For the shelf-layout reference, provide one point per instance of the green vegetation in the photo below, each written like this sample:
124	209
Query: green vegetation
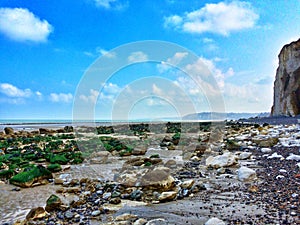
154	156
54	167
30	173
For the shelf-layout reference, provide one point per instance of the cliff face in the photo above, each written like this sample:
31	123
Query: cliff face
287	82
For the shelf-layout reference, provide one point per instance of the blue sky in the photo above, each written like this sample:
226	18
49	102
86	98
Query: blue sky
47	47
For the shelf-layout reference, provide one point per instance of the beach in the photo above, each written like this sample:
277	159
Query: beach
237	172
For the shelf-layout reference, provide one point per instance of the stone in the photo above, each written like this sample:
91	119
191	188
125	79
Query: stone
140	221
52	203
286	99
246	174
125	217
36	213
224	160
293	157
266	141
167	196
158	221
245	155
136	195
266	150
96	213
69	214
159	178
115	201
187	184
58	181
44	131
68	129
214	221
139	151
35	176
8	130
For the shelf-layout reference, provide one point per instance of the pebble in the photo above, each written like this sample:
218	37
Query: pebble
96	213
69	215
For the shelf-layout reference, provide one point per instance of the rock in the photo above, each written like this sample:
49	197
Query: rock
167	196
35	176
69	214
115	201
136	195
246	174
96	213
139	151
68	129
125	217
187	184
58	181
44	131
159	221
245	155
287	82
159	178
140	221
275	155
266	150
36	213
224	160
293	157
8	130
52	203
214	221
266	141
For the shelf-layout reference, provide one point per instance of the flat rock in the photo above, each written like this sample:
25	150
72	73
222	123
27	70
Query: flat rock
214	221
167	196
246	174
224	160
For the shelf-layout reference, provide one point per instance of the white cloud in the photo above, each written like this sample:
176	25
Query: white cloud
61	97
12	91
109	92
251	97
108	54
173	21
137	57
221	18
111	4
156	90
173	61
92	98
20	24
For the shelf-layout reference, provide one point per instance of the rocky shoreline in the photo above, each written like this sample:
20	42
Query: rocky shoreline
174	173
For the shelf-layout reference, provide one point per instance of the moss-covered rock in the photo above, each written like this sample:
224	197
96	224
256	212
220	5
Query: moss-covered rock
52	203
6	174
54	167
58	158
31	176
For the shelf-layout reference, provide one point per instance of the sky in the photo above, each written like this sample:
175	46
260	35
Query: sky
175	57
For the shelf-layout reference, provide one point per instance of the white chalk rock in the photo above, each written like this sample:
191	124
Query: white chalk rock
226	159
246	174
266	150
214	221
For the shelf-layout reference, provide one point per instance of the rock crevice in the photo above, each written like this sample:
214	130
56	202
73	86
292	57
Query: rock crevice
287	83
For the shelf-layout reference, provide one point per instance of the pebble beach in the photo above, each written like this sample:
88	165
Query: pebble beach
245	172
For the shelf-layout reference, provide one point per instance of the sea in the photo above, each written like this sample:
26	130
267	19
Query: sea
34	124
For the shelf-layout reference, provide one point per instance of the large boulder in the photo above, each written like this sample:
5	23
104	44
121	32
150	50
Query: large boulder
31	177
8	130
224	160
287	83
159	178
